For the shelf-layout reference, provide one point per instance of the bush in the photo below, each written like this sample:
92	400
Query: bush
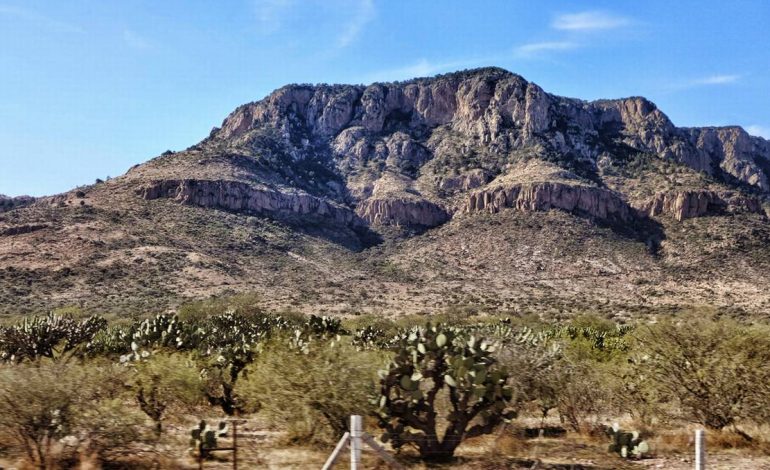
315	389
716	370
41	404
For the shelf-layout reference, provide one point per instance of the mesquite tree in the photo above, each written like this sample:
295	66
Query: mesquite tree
438	361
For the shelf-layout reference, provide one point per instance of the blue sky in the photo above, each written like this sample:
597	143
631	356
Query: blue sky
89	88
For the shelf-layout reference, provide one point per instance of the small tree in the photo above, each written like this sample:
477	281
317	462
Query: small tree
166	381
434	361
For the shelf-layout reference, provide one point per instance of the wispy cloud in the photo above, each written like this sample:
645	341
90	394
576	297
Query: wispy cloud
537	48
761	131
42	21
134	40
716	80
269	14
364	14
589	21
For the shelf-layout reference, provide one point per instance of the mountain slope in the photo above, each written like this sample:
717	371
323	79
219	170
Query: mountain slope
474	189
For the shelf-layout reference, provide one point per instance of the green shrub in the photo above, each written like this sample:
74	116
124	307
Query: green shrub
313	390
41	404
716	370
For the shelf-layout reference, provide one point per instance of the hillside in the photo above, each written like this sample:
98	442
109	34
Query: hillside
472	190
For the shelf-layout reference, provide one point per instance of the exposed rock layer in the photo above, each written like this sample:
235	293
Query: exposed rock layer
242	197
402	212
594	202
688	204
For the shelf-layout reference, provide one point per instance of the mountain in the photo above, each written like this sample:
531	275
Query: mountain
467	191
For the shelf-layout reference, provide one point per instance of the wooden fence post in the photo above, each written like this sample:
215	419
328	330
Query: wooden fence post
235	445
700	449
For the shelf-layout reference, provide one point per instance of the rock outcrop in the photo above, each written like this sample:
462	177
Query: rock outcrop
402	212
9	203
682	205
21	229
583	200
464	182
489	109
241	197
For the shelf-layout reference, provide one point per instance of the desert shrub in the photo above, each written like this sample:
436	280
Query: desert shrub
434	365
534	361
43	403
314	389
246	305
108	428
717	371
567	368
581	394
166	383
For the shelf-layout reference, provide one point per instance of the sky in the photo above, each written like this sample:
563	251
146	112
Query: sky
89	88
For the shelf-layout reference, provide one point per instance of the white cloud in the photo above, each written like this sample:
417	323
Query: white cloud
761	131
716	80
536	48
43	21
589	21
364	14
134	40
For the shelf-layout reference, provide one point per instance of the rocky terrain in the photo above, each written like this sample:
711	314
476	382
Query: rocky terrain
472	190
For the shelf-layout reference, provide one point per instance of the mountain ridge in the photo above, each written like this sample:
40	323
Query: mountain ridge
364	181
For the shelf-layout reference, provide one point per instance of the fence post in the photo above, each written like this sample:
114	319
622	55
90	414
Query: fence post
235	445
700	449
355	442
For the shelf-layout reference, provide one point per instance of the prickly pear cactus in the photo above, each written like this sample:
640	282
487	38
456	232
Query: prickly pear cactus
627	444
427	361
203	438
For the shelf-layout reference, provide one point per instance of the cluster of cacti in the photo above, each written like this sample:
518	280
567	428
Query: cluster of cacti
371	337
49	336
426	362
323	326
204	439
627	444
602	339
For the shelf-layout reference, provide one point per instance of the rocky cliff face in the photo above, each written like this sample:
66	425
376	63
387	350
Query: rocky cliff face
448	136
402	212
582	200
242	197
688	204
493	109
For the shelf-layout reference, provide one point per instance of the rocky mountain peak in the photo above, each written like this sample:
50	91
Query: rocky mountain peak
416	152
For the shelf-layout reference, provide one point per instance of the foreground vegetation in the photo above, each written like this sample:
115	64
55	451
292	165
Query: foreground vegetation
80	388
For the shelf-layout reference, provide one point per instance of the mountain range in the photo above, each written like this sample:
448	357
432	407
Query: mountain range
466	192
